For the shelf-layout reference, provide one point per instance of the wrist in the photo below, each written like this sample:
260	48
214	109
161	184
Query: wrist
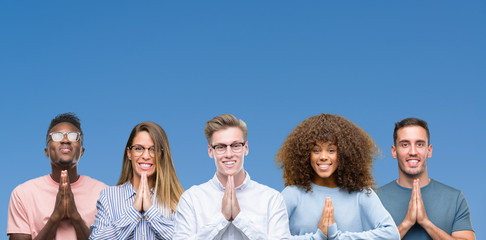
56	217
426	224
76	216
405	226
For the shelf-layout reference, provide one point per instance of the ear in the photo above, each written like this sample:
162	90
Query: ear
429	151
210	151
129	154
46	151
246	148
82	152
394	151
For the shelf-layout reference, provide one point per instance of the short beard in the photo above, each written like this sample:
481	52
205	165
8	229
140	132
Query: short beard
413	175
67	163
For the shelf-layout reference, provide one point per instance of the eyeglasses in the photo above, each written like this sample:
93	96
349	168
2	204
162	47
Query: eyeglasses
235	147
139	150
71	136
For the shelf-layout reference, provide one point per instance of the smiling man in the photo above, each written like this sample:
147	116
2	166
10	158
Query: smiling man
60	205
230	205
422	207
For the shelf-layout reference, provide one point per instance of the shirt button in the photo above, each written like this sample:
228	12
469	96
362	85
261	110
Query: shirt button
138	219
147	217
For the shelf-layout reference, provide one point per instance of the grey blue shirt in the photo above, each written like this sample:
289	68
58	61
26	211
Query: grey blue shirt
446	207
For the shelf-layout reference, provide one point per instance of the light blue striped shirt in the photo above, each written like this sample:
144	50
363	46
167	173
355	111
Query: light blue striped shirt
117	218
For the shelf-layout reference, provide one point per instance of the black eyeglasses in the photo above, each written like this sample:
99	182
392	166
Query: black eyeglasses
71	136
235	147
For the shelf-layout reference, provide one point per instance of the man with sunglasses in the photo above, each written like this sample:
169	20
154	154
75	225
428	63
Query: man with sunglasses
60	205
230	205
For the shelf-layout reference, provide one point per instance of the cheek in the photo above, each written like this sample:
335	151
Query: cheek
426	153
216	161
399	154
134	165
313	158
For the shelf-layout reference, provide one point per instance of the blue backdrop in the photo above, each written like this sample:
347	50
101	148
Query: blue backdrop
271	63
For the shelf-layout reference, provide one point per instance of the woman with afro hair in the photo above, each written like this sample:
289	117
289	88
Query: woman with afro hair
327	162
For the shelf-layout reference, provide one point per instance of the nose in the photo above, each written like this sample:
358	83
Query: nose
146	154
413	150
229	152
65	138
323	156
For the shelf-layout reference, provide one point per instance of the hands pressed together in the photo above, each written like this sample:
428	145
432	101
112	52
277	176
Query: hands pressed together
230	207
416	210
327	217
142	198
65	207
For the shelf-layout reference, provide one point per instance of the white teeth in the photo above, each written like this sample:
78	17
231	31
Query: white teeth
324	167
229	163
145	165
413	162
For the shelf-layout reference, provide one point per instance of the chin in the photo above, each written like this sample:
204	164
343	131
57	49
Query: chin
150	174
66	162
324	176
413	172
227	172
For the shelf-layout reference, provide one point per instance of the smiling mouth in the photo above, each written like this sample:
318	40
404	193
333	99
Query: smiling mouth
229	163
413	162
145	166
324	167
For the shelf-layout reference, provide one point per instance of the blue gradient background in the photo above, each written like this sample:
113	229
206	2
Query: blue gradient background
271	63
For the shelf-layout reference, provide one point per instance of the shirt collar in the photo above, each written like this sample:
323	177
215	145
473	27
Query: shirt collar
215	181
73	185
129	191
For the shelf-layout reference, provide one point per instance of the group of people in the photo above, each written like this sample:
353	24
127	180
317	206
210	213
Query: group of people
329	189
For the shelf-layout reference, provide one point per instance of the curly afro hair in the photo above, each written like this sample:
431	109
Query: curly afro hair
356	152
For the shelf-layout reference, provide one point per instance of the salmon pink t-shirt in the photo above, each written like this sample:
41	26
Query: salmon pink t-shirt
32	203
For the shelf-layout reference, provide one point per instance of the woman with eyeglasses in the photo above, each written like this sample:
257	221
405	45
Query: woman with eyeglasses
144	201
327	162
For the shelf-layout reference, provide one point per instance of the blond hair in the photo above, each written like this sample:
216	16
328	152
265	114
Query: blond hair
224	121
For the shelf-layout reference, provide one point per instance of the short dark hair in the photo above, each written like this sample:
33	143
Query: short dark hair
410	122
65	117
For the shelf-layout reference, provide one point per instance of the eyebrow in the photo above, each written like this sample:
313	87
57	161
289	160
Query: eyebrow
329	146
136	144
236	141
408	141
